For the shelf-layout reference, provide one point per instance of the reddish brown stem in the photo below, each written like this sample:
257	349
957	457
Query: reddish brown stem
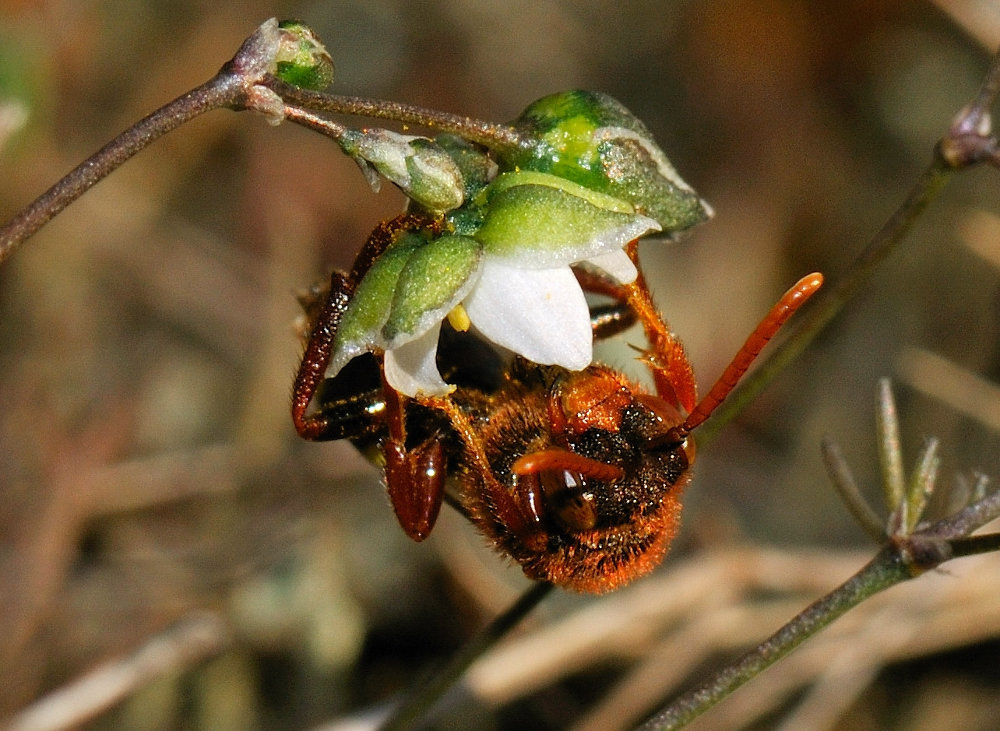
221	91
493	136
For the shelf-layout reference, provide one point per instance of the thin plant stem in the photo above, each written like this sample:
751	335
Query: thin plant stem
243	83
494	136
314	122
221	91
426	695
966	143
885	570
233	86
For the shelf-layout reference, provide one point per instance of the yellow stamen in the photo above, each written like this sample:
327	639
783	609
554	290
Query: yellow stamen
458	318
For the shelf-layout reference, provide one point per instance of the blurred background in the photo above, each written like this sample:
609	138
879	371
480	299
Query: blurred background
158	511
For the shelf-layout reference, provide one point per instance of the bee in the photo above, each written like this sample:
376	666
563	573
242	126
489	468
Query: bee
576	475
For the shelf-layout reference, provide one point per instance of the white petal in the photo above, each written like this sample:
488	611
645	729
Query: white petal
411	368
538	313
617	264
616	238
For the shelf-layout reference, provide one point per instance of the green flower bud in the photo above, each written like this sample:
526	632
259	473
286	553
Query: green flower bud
301	59
418	166
591	139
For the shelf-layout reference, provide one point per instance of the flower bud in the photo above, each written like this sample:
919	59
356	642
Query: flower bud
301	58
418	166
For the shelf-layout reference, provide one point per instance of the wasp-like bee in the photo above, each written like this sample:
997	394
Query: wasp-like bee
576	475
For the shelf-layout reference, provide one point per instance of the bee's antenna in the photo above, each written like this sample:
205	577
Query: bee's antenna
792	300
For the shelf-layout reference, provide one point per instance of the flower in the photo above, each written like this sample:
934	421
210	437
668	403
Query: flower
510	275
586	180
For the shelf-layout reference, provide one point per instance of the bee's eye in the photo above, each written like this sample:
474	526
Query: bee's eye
687	447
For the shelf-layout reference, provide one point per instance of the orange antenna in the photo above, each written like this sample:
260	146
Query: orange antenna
792	300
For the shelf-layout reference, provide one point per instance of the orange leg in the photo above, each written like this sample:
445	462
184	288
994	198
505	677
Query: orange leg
666	358
521	515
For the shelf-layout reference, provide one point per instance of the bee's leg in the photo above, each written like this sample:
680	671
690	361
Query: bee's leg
520	512
414	476
325	311
611	319
665	357
318	426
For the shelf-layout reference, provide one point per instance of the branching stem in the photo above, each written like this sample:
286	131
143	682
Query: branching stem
244	83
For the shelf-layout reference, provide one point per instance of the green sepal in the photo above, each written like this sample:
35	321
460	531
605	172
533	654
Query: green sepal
436	277
361	326
539	225
412	285
528	177
592	139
